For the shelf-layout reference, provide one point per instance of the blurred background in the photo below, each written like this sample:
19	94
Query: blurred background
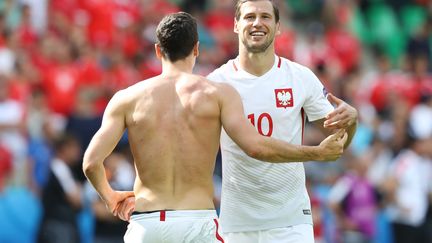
62	60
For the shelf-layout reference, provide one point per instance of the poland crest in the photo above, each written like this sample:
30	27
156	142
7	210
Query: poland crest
284	98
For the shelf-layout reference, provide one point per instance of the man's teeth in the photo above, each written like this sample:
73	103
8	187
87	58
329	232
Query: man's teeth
257	33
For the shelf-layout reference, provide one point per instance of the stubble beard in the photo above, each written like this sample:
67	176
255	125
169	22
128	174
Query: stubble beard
257	48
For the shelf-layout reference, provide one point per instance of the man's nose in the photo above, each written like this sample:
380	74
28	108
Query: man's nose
257	21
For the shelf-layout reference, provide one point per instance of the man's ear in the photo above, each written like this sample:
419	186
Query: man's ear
235	26
278	31
196	49
158	51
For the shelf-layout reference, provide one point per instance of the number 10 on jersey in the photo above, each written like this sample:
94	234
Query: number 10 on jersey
261	117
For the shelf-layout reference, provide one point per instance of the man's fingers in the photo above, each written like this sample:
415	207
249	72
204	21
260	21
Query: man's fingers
114	211
334	99
337	135
339	121
332	113
336	112
130	211
122	214
126	209
338	125
344	138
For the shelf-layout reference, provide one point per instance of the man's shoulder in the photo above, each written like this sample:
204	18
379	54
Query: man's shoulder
127	95
300	71
294	66
219	73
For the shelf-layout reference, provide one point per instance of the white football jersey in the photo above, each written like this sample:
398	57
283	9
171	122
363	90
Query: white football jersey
259	195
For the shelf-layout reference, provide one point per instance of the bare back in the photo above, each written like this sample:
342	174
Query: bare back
174	128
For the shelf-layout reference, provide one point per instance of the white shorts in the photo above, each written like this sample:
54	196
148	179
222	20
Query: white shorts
197	226
302	233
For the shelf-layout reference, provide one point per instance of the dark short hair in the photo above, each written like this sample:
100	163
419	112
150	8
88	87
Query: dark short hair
240	3
177	35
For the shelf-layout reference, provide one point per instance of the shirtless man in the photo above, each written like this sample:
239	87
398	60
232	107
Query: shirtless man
174	123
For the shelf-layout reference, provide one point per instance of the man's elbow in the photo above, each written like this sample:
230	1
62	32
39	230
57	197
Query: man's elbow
89	164
256	152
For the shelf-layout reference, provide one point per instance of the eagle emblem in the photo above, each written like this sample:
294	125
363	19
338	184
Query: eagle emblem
284	98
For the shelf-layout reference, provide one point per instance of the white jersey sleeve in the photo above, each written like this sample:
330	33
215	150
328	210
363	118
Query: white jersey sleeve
316	104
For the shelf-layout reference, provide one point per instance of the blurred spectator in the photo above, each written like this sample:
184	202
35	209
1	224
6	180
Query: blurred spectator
61	80
421	117
38	14
84	120
391	87
284	43
100	21
120	72
12	127
5	167
406	191
7	54
418	43
27	36
23	80
219	21
353	201
11	8
61	197
41	133
342	45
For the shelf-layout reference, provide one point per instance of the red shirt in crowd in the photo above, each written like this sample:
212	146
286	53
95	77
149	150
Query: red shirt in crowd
61	84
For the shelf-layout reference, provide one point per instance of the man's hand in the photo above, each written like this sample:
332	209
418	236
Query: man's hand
126	208
333	146
342	117
115	201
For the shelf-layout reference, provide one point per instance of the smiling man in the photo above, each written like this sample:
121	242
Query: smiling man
263	203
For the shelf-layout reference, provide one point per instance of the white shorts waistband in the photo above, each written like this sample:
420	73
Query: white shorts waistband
164	215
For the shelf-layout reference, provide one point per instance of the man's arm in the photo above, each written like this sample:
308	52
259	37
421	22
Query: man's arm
343	117
265	148
101	145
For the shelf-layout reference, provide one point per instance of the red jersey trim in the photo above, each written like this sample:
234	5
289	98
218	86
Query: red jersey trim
162	215
234	66
279	62
303	124
217	231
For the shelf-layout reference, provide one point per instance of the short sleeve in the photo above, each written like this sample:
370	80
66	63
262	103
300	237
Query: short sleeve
316	104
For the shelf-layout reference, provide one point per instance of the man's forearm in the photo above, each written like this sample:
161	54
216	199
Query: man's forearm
95	173
278	151
351	130
272	150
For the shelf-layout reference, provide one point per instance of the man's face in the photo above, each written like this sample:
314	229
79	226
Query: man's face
256	26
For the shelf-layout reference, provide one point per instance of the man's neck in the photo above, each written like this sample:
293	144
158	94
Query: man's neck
256	63
181	66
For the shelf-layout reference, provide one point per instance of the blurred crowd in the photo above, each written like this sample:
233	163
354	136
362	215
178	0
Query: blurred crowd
62	60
